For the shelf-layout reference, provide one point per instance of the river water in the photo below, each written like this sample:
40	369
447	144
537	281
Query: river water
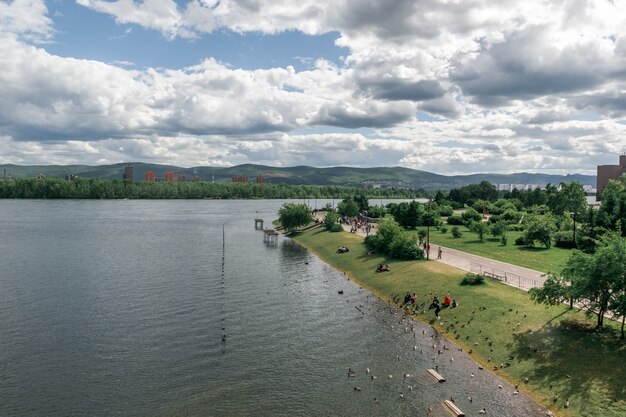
119	308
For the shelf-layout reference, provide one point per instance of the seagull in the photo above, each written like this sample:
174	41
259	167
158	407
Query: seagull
482	411
470	399
367	371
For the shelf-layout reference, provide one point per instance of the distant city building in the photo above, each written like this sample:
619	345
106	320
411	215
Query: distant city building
169	176
240	179
70	177
504	187
609	172
260	179
182	177
150	176
41	176
128	173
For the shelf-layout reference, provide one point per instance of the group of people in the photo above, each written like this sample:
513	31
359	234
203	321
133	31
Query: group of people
409	298
342	249
447	302
382	268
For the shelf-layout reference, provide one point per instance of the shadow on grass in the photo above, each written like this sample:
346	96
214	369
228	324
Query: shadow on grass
534	249
574	358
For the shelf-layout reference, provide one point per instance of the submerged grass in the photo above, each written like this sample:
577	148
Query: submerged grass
551	346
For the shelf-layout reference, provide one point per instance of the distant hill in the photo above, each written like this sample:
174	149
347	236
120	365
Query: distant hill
385	177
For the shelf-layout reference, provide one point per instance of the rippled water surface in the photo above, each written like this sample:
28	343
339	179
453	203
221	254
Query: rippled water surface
119	307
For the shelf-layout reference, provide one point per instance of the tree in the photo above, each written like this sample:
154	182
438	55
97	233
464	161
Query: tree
408	215
404	246
498	228
292	216
388	229
362	202
480	228
598	280
330	220
569	199
539	228
348	207
471	215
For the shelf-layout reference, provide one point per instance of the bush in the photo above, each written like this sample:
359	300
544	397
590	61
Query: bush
335	227
471	215
564	239
456	232
404	247
376	212
511	216
443	229
520	241
503	239
473	279
331	219
455	220
446	211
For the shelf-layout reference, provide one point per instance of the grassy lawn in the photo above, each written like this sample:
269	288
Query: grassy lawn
550	346
538	258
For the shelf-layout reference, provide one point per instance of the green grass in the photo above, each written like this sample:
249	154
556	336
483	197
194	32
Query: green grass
545	345
538	258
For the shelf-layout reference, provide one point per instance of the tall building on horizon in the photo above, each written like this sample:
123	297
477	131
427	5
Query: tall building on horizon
609	172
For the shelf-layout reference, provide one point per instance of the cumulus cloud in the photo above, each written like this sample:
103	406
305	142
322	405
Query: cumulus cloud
509	85
26	19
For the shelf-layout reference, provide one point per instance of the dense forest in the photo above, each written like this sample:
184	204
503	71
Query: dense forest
82	188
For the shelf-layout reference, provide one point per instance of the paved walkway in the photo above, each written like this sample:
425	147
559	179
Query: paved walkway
513	275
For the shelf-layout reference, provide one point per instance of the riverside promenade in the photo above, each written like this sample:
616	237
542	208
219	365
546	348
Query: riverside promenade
513	275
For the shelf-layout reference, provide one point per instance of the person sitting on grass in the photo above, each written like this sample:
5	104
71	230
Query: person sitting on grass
447	300
407	298
382	268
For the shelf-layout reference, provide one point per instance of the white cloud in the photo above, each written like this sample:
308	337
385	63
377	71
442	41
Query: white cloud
26	19
510	85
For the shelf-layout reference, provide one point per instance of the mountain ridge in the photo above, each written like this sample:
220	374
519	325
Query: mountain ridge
399	177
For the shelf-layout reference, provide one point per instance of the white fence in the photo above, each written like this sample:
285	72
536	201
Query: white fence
507	277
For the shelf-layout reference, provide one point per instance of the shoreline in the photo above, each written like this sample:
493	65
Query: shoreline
421	318
535	347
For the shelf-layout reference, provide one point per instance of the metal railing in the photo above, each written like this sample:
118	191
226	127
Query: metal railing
507	277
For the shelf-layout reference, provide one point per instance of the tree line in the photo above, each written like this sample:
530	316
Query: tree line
91	188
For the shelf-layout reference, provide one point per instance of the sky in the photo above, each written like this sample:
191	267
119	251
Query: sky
446	86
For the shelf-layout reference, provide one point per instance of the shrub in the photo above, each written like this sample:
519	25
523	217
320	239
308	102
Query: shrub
503	239
443	229
335	227
564	239
331	219
446	211
511	216
421	234
498	229
404	247
480	228
473	279
455	220
376	212
520	241
456	232
471	215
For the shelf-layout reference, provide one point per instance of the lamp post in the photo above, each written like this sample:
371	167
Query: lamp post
574	234
428	218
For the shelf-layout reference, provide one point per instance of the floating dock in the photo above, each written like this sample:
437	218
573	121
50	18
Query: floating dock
452	407
437	375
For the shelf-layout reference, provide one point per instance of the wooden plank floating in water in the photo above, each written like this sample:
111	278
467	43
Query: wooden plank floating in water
437	375
456	410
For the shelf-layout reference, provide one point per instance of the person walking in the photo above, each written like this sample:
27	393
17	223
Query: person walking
439	252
